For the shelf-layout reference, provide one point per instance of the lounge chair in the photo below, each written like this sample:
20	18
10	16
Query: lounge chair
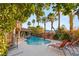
60	45
73	46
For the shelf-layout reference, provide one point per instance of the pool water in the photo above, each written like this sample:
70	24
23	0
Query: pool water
33	40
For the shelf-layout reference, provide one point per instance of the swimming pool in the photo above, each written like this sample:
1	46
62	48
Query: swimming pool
34	40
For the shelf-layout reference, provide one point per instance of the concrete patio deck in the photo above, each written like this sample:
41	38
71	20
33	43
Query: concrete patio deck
35	50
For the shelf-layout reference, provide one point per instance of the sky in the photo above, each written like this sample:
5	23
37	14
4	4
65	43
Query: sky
64	20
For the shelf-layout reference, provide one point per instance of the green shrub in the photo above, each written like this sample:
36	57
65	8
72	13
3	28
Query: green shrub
37	26
57	36
37	30
66	36
62	36
3	47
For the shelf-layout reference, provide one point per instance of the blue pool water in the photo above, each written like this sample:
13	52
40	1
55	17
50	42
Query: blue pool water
33	40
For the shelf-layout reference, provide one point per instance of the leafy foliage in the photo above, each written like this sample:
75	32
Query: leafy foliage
51	18
62	36
33	21
37	30
3	46
44	20
9	14
39	11
29	23
68	8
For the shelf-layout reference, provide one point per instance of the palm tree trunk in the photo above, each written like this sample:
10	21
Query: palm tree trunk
45	26
38	23
44	29
33	24
58	20
71	22
51	26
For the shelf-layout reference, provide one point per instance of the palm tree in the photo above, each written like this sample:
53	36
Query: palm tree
44	19
77	13
69	10
57	8
51	18
33	21
38	20
29	23
39	11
